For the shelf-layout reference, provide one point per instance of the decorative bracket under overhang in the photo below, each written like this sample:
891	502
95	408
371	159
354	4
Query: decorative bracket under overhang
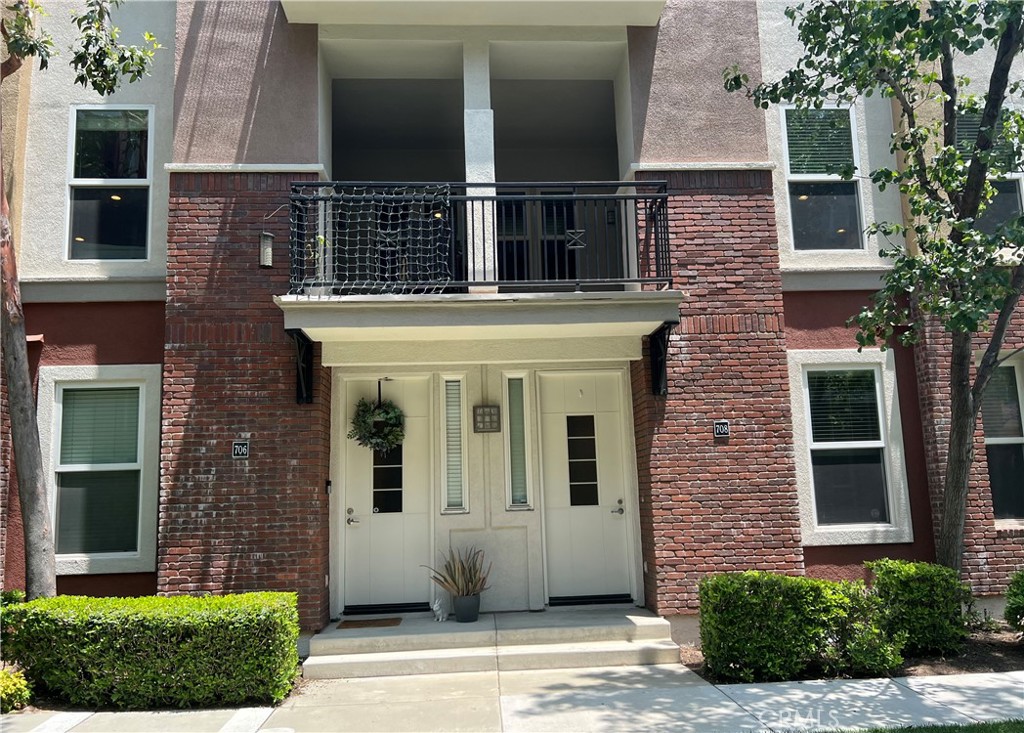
658	352
303	365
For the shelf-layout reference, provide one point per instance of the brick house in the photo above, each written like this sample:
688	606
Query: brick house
621	349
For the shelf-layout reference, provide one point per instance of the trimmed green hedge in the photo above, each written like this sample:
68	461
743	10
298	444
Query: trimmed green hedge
1014	613
757	626
923	601
142	653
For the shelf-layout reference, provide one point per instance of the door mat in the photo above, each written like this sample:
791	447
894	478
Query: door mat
368	623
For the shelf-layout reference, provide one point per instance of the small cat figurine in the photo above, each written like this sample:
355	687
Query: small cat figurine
440	613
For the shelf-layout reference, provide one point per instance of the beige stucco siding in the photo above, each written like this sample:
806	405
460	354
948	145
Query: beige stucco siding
246	88
680	111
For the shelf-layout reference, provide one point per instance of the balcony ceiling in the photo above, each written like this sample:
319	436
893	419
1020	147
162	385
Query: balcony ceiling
476	12
481	328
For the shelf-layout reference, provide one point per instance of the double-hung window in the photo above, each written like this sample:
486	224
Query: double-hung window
850	469
1005	205
110	183
824	209
1004	441
102	451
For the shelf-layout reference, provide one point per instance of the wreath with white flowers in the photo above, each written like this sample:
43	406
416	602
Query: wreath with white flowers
378	425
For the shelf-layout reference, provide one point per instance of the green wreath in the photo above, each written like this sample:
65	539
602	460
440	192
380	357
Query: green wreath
378	425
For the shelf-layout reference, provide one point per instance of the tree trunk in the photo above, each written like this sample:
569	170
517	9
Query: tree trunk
963	421
40	563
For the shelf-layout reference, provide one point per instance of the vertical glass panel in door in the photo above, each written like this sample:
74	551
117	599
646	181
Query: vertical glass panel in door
387	481
582	451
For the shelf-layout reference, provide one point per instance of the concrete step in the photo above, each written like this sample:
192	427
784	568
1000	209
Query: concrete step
484	659
506	629
588	654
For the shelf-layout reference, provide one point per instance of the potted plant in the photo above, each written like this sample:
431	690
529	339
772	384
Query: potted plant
463	575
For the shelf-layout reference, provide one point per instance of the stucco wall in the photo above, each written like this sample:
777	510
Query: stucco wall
680	111
44	202
246	85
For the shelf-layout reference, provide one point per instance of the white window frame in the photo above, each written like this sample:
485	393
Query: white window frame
823	178
507	448
73	182
1017	364
899	527
53	380
461	380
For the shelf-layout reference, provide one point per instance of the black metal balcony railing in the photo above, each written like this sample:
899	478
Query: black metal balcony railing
380	238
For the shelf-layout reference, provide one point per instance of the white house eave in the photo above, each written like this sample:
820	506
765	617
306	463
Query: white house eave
480	317
476	12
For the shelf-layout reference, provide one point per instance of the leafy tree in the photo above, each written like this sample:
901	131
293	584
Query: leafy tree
100	63
950	272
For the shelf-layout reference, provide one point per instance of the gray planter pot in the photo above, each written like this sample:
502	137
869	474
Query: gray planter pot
467	609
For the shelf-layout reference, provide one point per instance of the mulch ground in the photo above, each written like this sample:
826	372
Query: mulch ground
1000	649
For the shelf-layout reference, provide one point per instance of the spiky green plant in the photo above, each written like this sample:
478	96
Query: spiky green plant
463	572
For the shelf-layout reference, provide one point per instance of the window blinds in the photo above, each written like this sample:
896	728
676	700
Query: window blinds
844	406
517	443
454	491
99	426
1000	406
820	140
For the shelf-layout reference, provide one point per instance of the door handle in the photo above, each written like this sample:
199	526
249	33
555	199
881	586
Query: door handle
620	510
352	520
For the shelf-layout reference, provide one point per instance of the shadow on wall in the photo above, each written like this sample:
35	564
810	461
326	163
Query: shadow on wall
246	88
230	525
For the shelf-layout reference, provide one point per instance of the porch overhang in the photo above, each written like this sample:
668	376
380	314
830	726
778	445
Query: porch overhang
476	12
481	328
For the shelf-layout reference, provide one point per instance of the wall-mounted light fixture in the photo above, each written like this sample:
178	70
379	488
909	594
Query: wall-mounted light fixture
266	249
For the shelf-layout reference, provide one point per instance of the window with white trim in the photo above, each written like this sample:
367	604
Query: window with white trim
454	447
849	449
102	454
1001	412
1005	204
110	182
825	210
515	444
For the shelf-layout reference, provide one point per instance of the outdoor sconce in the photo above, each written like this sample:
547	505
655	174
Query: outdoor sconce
266	249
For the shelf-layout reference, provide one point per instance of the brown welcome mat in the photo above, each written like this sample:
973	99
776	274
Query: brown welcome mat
368	623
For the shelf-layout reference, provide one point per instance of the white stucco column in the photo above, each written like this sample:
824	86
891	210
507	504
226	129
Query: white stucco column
479	147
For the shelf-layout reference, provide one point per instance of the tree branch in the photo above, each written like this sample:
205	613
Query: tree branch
990	360
947	83
920	164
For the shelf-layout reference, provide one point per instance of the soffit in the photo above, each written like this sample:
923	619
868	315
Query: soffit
476	12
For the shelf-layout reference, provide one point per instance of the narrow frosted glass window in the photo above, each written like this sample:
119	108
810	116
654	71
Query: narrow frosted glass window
517	443
454	486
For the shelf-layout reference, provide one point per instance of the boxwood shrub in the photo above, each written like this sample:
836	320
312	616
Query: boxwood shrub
1014	613
923	601
758	626
141	653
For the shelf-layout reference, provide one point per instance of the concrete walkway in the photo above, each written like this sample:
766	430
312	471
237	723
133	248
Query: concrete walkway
612	699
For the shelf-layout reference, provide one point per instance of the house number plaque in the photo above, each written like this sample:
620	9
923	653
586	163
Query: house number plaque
240	449
486	419
721	428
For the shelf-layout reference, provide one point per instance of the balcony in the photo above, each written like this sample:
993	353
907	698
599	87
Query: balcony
439	238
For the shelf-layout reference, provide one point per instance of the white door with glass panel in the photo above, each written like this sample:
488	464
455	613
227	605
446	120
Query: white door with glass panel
386	514
586	486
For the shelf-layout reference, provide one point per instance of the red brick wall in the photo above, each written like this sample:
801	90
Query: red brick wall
990	555
710	505
229	374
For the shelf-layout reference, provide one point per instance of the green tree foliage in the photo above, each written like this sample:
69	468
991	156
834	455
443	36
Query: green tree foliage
944	269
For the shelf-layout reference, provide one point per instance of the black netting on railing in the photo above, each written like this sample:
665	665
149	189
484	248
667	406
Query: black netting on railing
353	239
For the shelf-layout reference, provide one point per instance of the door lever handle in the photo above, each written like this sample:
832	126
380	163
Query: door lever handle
620	510
352	520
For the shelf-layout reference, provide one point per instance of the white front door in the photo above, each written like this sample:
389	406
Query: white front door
586	486
386	515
